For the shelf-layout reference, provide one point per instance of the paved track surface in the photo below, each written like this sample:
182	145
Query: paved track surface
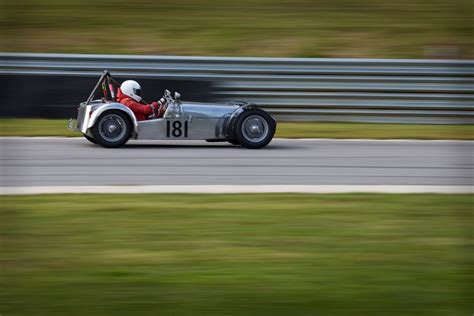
75	161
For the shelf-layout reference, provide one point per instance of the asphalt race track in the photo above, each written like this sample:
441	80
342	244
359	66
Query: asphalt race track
76	162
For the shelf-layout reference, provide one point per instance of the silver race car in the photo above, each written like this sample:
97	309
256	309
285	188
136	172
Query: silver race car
111	124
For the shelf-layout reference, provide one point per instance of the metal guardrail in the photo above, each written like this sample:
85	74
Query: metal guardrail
323	89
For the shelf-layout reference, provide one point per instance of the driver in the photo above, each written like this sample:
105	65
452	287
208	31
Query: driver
130	95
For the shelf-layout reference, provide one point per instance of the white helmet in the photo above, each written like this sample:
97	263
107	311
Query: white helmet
132	89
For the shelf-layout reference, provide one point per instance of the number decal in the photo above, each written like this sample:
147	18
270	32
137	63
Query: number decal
177	132
175	129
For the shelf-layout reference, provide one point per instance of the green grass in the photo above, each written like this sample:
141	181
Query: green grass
280	254
44	127
373	130
35	127
297	28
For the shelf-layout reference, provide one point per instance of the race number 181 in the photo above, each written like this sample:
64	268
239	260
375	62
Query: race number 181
176	129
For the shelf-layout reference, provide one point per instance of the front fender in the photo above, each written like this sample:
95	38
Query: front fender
112	106
233	118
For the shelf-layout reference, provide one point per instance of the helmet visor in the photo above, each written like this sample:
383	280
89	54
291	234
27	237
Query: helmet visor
138	92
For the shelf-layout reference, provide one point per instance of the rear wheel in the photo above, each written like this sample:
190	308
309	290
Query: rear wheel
254	128
112	129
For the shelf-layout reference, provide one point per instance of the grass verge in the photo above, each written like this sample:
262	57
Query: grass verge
297	28
48	127
257	254
35	127
373	130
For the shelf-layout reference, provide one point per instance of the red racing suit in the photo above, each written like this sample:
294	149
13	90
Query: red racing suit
141	111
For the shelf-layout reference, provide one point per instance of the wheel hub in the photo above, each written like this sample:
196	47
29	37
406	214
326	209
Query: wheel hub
112	128
255	128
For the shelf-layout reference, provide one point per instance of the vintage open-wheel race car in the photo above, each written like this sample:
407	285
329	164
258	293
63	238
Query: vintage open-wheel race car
111	124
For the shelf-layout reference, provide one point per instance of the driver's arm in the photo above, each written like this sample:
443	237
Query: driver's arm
145	109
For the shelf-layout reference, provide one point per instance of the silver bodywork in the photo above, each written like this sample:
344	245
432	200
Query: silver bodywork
182	120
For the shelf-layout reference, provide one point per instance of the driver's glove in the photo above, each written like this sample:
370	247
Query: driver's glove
154	110
156	107
161	108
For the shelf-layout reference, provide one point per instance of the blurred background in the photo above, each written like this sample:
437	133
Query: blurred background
268	28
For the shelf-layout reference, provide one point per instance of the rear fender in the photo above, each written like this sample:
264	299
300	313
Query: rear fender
113	106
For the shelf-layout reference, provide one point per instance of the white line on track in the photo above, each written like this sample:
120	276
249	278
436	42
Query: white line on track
216	189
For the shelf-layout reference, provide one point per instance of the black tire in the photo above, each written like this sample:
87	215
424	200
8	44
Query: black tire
112	129
91	139
254	128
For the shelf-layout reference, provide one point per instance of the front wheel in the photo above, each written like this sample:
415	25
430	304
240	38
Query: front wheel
112	129
254	128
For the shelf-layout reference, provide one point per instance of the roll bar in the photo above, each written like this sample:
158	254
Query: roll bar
107	82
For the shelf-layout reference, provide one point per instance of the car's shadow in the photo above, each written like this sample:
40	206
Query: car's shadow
213	147
129	146
185	146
